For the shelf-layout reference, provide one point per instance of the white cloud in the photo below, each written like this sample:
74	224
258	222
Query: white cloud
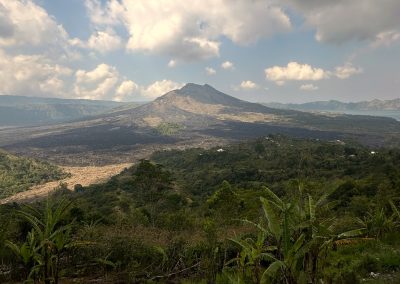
295	71
227	65
189	32
159	88
248	85
101	72
196	48
308	87
346	71
340	21
23	23
101	41
172	63
386	38
100	83
107	14
304	72
127	89
33	75
104	41
105	82
210	71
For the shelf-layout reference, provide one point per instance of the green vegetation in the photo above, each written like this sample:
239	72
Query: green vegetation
19	174
275	210
168	128
40	254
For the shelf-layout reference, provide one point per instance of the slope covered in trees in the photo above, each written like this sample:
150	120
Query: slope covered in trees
274	210
19	174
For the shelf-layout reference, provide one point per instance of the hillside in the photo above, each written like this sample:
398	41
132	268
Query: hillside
195	115
23	111
374	105
187	216
18	174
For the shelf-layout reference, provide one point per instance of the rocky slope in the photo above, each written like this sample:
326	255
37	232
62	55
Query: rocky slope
195	115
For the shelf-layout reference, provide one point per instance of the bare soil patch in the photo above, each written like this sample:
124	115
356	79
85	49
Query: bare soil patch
79	175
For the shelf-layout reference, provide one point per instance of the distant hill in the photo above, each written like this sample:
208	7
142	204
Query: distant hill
203	107
25	111
388	108
195	115
199	106
19	174
374	105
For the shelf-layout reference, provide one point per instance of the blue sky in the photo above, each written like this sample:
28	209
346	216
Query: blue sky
259	50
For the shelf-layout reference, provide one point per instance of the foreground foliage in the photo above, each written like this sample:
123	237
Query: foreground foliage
275	210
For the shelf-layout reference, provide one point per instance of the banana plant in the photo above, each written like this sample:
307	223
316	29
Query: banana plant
46	242
27	254
291	239
252	253
378	223
290	247
319	229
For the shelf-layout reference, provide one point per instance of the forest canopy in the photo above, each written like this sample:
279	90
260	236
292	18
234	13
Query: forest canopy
272	210
19	173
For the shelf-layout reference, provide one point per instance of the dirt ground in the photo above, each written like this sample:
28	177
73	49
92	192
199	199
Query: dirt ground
79	175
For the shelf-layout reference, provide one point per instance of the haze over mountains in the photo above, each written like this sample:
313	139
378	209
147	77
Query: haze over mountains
24	111
195	115
29	111
175	106
388	108
337	105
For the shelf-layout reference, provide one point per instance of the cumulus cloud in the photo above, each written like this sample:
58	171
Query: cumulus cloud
127	89
189	32
346	71
210	71
308	87
159	88
104	15
295	71
98	83
340	21
248	85
105	82
227	65
193	48
25	23
104	41
32	75
177	26
101	41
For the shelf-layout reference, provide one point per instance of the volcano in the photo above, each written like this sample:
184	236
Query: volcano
189	116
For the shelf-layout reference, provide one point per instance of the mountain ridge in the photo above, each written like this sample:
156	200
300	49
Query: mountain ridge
194	104
193	116
28	111
333	105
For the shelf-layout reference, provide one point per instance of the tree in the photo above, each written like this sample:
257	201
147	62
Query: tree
224	201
